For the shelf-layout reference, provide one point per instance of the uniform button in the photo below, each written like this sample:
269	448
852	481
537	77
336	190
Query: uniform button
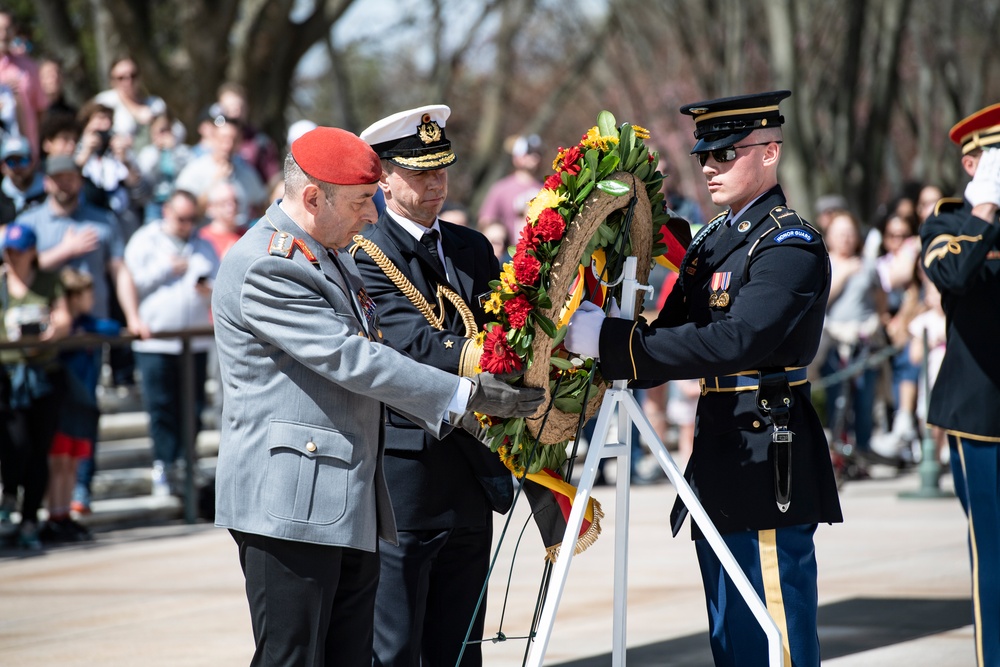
311	446
756	424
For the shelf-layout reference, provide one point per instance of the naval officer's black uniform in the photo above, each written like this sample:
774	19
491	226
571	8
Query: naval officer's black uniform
444	492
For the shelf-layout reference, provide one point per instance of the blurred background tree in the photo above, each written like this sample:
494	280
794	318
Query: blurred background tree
876	83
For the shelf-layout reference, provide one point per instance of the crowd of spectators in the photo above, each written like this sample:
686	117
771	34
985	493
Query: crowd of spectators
111	220
121	221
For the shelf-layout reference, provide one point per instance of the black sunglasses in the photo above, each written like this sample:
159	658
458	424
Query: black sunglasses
727	154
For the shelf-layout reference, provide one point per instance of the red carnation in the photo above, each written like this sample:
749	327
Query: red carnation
526	268
553	182
528	240
517	310
550	226
570	160
498	355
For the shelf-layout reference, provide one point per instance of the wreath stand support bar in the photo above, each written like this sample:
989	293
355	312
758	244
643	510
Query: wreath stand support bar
620	399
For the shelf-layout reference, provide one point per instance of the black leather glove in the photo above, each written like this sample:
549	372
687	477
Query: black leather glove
494	397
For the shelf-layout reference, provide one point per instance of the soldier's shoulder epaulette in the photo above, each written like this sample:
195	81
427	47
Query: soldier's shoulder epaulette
948	205
784	216
283	244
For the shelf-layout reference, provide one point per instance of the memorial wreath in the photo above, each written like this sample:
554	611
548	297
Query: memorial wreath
601	205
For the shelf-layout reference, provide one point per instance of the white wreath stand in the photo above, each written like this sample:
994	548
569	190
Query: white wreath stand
620	398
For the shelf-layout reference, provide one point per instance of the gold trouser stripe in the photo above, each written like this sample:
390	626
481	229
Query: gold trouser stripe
975	565
767	541
631	338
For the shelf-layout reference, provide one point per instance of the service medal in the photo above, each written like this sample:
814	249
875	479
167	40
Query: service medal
713	300
723	300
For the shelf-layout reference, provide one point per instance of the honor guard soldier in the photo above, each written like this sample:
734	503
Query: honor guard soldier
745	316
426	276
961	257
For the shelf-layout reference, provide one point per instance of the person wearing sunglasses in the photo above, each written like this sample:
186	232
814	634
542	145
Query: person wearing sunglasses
23	184
745	316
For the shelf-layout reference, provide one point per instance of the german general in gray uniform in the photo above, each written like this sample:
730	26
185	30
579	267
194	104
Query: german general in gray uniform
300	483
745	316
425	276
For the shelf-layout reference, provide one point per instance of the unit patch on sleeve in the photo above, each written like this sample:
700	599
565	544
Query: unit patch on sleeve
793	233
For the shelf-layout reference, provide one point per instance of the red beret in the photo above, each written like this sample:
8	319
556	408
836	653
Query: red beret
978	130
336	156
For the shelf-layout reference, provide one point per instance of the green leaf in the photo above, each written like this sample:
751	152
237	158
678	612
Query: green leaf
584	191
592	156
606	124
608	164
571	405
546	325
560	363
560	335
613	187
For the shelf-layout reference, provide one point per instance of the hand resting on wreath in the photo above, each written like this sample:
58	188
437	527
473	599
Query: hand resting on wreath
583	333
494	397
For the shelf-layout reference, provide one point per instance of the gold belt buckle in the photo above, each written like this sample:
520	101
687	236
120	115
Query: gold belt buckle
704	386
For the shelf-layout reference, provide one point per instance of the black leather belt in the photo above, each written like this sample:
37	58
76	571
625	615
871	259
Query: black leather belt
748	380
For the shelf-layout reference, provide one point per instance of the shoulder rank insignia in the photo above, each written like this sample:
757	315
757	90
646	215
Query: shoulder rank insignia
785	216
284	244
947	204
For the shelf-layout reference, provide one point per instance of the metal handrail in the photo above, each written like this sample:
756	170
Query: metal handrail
78	341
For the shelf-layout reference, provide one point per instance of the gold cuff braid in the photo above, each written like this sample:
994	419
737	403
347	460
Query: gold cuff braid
469	361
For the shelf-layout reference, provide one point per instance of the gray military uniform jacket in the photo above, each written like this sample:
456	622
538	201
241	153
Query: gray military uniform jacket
304	386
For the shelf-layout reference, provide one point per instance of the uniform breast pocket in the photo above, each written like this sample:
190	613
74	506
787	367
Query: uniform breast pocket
308	472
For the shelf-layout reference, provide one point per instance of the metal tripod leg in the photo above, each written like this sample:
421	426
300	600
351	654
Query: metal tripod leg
621	400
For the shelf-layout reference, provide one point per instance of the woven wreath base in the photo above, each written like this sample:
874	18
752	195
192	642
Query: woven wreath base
562	426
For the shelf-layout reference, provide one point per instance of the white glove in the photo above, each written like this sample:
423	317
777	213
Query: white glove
984	188
583	333
614	310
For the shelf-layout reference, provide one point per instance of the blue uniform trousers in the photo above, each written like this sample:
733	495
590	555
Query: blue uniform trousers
781	566
976	467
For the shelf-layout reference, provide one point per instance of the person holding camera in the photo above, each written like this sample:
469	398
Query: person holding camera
960	257
173	269
33	307
112	178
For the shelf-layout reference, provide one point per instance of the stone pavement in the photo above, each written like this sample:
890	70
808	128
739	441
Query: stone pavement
894	590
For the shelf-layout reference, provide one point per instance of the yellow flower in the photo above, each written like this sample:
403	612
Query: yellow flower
640	132
508	281
595	140
494	305
543	200
508	460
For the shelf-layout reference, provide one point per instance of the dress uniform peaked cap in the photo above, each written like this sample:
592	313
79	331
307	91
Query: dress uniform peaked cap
723	122
978	130
336	156
413	139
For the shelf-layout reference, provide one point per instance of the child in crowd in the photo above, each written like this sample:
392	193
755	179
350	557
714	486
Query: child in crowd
76	438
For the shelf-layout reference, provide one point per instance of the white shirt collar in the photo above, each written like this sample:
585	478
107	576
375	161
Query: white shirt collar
413	229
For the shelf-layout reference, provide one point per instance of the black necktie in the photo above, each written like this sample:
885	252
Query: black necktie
429	240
